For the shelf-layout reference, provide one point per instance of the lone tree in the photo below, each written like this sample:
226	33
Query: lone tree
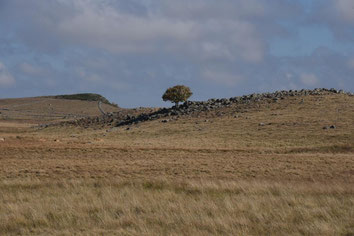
176	94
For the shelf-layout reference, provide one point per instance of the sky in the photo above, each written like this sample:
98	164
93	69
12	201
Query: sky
131	51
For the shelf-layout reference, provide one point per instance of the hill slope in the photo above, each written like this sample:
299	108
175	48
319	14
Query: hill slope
83	97
292	124
48	109
313	121
250	165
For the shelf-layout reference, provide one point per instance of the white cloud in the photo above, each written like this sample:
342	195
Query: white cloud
212	50
88	76
31	69
289	75
202	29
345	10
115	45
108	28
6	79
94	78
221	77
207	9
309	79
337	15
242	42
351	64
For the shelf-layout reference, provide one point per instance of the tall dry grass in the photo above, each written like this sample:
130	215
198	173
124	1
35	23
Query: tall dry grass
102	207
288	177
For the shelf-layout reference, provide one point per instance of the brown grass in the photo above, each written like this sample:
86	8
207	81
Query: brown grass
41	109
112	207
200	175
64	161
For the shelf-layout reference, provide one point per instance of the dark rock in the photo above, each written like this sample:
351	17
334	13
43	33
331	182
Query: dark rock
189	108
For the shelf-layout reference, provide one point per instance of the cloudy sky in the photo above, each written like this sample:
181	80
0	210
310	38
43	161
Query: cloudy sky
132	50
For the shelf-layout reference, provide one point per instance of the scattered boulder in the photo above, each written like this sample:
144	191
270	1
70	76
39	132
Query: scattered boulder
329	127
189	108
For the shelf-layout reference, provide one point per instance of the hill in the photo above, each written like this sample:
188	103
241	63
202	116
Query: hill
308	102
83	97
53	108
275	163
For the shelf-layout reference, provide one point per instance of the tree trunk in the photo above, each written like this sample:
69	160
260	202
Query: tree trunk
176	104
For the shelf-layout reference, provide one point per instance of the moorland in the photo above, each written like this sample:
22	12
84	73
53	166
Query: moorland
265	167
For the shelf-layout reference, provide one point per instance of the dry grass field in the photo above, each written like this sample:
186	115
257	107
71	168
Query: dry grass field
47	109
214	173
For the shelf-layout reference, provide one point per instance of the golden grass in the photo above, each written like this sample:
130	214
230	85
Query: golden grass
42	109
290	126
199	175
69	162
110	207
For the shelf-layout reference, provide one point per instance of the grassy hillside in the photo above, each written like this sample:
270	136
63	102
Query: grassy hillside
296	124
266	167
48	109
84	97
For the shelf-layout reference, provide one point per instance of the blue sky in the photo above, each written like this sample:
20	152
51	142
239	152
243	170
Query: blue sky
132	50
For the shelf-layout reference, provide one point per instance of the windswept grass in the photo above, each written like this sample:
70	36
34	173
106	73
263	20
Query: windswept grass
205	174
175	208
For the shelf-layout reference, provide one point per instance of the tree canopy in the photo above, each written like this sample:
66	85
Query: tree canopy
176	94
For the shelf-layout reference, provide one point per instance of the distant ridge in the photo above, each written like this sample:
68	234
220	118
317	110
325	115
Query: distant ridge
189	108
83	97
53	108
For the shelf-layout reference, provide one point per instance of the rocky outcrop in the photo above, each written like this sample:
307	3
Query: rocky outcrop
192	107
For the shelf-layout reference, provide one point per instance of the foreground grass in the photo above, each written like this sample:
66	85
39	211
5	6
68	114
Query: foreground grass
91	207
221	174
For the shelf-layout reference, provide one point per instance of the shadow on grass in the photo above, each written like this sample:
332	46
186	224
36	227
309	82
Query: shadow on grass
324	149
